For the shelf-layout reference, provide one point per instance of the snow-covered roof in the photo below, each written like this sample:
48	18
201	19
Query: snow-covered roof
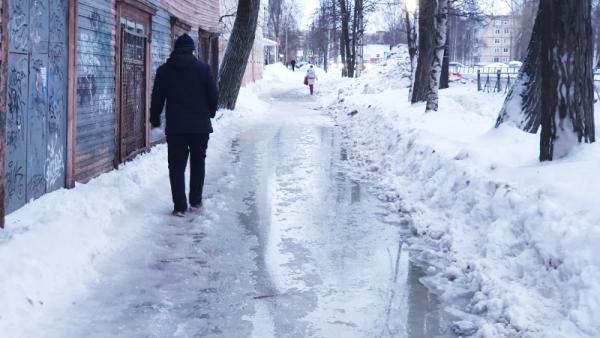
269	42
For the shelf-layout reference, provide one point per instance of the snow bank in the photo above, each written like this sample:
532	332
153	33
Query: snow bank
51	248
512	244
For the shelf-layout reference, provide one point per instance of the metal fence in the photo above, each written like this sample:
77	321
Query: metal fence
500	80
497	82
597	83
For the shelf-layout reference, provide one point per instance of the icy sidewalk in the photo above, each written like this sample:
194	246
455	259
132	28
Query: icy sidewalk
513	243
288	246
52	248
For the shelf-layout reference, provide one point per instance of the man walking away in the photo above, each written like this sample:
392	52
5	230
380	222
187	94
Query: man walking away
191	95
293	63
311	77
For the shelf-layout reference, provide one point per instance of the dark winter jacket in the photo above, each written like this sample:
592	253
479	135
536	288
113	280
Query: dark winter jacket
188	87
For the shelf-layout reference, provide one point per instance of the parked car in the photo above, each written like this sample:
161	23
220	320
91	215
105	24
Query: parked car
456	65
515	64
496	65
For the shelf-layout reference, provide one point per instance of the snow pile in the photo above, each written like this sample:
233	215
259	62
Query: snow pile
51	248
512	244
392	73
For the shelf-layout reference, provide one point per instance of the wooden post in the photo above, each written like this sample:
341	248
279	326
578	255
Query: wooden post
478	80
3	107
148	79
117	108
72	94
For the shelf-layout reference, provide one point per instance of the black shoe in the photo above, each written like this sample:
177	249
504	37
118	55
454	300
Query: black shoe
196	207
179	214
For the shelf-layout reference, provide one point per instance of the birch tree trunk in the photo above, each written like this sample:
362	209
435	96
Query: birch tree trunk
238	51
411	38
522	106
567	109
441	33
427	11
445	80
352	59
345	39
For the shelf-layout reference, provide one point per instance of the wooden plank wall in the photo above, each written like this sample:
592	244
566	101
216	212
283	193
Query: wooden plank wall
3	107
198	13
96	117
254	67
161	39
161	45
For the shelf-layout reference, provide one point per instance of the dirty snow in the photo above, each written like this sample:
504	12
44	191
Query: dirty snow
513	243
326	216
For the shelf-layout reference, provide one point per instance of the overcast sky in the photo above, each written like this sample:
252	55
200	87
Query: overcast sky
375	22
309	7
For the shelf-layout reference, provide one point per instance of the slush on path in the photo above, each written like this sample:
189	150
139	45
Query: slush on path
289	245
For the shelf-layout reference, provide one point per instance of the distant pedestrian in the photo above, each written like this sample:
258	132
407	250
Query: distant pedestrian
310	79
191	95
293	63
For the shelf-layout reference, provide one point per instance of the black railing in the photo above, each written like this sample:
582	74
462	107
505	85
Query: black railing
497	82
597	83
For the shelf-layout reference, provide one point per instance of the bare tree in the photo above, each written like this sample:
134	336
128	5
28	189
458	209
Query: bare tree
393	16
283	25
321	34
522	106
427	13
463	26
410	22
345	43
441	33
445	79
523	13
290	31
238	50
275	17
567	110
596	31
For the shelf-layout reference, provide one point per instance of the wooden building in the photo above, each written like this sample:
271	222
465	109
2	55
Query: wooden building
75	84
256	60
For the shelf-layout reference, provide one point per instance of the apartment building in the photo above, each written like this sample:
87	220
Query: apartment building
495	40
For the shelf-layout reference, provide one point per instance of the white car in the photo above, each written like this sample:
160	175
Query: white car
515	64
456	65
497	65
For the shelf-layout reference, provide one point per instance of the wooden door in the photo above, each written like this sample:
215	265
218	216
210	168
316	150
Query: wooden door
133	89
37	110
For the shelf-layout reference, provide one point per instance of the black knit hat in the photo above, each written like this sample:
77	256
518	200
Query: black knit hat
185	42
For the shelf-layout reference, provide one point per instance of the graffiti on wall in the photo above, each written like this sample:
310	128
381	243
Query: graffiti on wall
36	93
17	96
57	97
94	57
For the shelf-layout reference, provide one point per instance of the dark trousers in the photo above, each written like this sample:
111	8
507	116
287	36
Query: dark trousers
180	147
